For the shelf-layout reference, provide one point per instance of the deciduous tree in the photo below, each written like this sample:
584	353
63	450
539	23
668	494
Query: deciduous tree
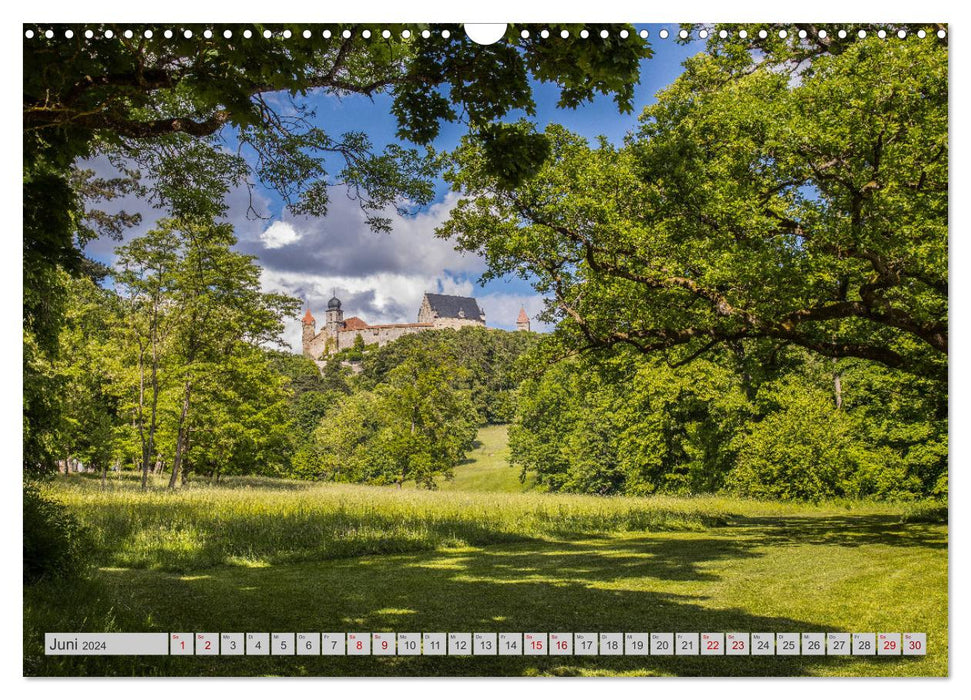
796	195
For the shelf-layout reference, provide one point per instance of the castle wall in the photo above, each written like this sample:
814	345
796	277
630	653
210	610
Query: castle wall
317	345
375	335
333	337
456	323
379	335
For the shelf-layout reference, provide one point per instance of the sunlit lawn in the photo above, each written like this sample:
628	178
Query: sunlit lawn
277	557
487	468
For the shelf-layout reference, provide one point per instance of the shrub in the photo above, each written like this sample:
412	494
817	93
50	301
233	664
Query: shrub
54	540
801	451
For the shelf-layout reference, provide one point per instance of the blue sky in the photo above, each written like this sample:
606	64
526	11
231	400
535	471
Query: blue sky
381	277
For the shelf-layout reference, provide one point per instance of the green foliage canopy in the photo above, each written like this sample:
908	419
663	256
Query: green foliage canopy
488	359
631	424
797	196
416	425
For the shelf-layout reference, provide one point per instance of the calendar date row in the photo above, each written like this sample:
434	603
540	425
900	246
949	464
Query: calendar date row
490	644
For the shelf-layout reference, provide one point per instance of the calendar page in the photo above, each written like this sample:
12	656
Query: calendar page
566	349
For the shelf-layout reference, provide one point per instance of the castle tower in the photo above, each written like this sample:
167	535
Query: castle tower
334	316
522	323
309	330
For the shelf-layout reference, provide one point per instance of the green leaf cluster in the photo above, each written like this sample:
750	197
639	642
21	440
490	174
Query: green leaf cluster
781	425
416	425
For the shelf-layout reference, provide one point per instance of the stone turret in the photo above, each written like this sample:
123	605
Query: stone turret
309	331
334	316
522	323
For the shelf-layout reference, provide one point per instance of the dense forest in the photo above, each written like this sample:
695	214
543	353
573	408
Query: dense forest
180	375
782	425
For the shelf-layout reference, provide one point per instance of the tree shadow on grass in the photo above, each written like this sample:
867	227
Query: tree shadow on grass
633	584
842	531
476	445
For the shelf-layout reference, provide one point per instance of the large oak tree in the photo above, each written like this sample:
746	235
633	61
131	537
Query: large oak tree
790	191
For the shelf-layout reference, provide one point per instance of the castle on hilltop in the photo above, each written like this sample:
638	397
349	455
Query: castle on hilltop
437	311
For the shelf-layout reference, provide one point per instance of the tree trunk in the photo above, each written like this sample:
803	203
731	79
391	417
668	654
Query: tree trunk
141	415
748	386
837	387
104	476
186	464
837	377
404	469
150	445
181	437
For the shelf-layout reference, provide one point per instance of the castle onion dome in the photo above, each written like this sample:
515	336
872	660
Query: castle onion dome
333	304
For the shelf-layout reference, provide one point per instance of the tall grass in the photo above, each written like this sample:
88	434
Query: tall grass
263	522
257	522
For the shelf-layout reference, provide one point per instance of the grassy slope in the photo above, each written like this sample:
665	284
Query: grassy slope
295	557
486	469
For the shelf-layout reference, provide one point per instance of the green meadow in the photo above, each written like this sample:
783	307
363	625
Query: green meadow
487	468
488	553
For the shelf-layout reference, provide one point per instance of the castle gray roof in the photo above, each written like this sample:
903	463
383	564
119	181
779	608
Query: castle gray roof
448	306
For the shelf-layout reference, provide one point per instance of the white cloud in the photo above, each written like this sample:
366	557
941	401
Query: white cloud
379	277
341	244
279	234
